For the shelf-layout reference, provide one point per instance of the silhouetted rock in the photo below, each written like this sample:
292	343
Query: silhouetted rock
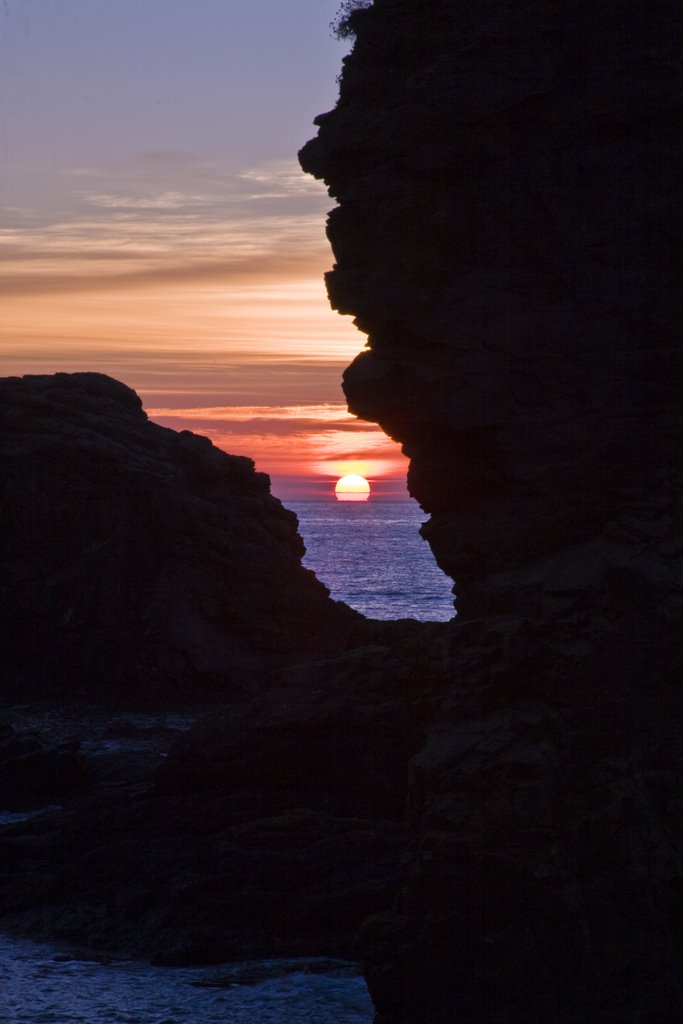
34	772
137	559
271	827
508	235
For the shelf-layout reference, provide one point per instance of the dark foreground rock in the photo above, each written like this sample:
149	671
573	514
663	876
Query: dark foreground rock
35	772
270	826
508	236
135	559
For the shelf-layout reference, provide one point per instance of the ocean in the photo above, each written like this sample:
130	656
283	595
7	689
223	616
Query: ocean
41	984
370	555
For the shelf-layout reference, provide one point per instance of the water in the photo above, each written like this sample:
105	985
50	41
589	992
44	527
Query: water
39	986
371	556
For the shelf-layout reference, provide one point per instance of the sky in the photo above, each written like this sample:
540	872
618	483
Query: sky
155	224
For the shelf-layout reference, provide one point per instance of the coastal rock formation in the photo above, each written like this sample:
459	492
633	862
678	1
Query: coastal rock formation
507	234
137	559
270	827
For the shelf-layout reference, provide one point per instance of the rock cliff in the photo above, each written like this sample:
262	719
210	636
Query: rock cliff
507	234
137	559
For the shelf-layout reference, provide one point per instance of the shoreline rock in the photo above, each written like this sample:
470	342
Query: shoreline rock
267	826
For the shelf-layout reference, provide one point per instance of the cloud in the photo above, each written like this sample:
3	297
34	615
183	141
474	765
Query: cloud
328	412
328	421
280	178
134	249
330	424
163	201
169	157
125	234
83	172
304	440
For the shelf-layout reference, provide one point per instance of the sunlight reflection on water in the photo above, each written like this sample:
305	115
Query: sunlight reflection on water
371	556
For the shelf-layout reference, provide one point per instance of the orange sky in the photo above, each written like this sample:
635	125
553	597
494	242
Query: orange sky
305	448
221	325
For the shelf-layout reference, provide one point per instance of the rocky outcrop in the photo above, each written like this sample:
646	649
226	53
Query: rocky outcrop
270	827
34	772
507	236
137	559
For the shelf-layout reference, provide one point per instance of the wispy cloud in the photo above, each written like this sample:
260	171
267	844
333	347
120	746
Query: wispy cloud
127	232
170	157
316	440
132	249
83	172
334	413
278	179
162	201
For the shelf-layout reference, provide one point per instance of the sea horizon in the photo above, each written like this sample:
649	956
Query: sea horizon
374	559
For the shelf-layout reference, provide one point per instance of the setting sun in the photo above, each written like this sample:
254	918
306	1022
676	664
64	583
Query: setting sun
352	488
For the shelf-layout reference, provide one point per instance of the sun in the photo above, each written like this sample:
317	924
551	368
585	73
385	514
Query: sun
352	488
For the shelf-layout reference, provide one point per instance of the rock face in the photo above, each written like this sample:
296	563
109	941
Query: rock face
270	827
36	773
137	559
506	235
